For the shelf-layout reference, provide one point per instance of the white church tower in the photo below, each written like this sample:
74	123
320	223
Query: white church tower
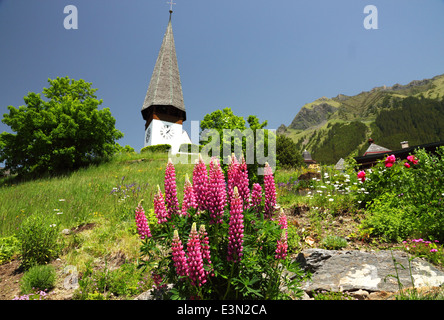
163	109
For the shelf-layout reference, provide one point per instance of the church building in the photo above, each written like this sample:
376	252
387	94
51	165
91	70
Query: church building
163	109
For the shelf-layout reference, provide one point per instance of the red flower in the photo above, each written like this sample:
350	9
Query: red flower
361	175
142	224
179	258
407	165
236	228
389	161
412	159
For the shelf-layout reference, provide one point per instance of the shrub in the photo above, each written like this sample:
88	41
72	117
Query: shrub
9	246
38	236
163	148
38	278
221	247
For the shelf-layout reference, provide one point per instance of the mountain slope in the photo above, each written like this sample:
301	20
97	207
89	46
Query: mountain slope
338	127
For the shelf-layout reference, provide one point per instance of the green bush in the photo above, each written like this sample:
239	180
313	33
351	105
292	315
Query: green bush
9	246
37	278
407	199
38	236
156	148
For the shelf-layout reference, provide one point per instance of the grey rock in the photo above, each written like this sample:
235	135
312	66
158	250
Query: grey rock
370	271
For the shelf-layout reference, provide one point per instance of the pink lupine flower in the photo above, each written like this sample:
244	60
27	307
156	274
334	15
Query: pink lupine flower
283	220
200	183
171	202
282	246
159	206
179	258
142	224
243	182
216	196
236	228
196	270
205	247
256	196
361	175
189	199
232	176
270	190
390	160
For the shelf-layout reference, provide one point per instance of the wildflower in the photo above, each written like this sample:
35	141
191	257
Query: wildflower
236	228
179	258
232	176
407	165
433	250
142	224
244	191
282	246
172	204
159	206
361	175
200	183
196	270
189	199
390	160
216	196
205	247
256	196
282	220
270	190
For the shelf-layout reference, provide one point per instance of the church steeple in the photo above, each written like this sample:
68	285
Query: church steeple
163	109
165	88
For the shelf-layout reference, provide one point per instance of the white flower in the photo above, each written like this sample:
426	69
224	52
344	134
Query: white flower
61	199
331	199
59	212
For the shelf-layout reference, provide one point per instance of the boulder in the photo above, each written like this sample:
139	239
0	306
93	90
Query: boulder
366	271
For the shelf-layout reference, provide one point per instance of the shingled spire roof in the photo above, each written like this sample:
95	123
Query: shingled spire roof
165	88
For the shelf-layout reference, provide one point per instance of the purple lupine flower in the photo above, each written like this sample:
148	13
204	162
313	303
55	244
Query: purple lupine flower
205	247
171	202
282	246
200	183
159	206
179	258
196	269
189	199
142	224
236	228
232	176
216	196
270	190
256	196
243	182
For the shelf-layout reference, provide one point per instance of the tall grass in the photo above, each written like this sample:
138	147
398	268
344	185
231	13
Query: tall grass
87	194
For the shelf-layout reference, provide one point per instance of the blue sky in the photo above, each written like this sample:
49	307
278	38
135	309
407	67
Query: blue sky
266	58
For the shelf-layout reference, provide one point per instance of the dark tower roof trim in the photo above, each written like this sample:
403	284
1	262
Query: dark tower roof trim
165	88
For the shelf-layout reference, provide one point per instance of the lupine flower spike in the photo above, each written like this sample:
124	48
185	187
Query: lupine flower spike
205	247
200	183
244	191
256	196
189	199
195	262
179	258
232	176
216	196
171	202
159	206
282	246
142	224
235	229
270	190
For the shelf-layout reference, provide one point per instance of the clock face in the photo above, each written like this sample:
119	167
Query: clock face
166	131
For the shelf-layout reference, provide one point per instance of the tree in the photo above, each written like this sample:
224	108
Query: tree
226	120
62	133
287	153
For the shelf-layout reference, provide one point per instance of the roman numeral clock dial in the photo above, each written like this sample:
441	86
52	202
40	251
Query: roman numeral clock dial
166	132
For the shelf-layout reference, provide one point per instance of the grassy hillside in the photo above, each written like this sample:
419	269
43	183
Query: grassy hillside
86	195
337	127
